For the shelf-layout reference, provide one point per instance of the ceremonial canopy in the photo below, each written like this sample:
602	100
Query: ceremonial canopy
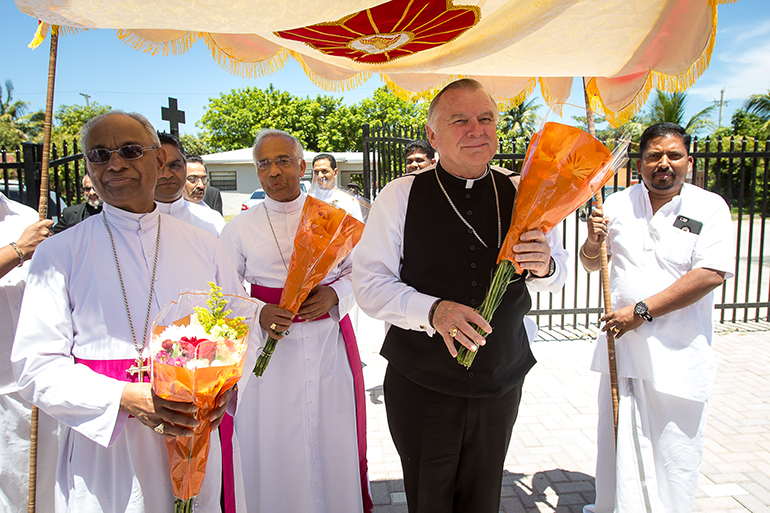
625	47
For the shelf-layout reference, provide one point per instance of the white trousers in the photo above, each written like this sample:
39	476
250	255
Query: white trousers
14	456
660	448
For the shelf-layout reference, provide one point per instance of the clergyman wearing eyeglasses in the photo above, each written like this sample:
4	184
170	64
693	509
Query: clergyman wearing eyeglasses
197	180
71	216
171	182
296	424
79	353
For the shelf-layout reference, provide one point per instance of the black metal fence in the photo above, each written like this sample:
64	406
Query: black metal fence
736	171
21	170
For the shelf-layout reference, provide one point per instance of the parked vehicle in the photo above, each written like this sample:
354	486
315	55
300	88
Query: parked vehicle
258	196
53	199
585	210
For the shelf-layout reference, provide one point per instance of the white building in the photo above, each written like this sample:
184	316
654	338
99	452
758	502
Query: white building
233	171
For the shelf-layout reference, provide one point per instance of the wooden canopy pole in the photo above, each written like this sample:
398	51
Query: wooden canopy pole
605	283
42	213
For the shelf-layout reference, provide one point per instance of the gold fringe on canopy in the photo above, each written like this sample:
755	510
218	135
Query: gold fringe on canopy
426	95
40	33
657	80
327	84
508	103
550	100
243	68
176	46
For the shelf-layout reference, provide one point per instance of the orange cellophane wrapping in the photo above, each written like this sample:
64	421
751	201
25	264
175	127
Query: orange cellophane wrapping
564	166
325	236
187	456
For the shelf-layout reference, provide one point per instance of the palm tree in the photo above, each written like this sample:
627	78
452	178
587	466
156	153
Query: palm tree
759	104
521	119
14	114
670	107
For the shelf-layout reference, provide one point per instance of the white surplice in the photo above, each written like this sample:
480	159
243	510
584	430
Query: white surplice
15	411
197	214
295	427
73	307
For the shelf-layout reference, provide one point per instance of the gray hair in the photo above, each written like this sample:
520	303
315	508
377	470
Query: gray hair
85	131
271	132
464	84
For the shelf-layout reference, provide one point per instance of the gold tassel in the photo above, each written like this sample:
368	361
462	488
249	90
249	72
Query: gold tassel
509	103
40	33
555	106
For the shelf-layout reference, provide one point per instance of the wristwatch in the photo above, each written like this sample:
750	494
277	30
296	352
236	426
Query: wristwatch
642	311
551	269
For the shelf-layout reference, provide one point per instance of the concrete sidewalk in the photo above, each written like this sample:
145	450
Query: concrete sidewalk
551	460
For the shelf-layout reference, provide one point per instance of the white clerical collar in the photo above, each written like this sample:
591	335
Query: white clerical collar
469	182
172	208
286	206
129	220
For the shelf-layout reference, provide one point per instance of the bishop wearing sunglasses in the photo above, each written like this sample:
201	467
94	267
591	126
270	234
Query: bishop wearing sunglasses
71	216
79	352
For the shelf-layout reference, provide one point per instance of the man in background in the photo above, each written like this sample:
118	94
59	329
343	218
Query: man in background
325	168
71	216
171	182
670	245
419	155
197	182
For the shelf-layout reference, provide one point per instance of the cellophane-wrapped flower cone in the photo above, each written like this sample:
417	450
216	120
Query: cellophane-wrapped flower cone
563	168
198	350
325	236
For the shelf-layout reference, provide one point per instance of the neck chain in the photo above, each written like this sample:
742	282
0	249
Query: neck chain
275	239
497	202
140	368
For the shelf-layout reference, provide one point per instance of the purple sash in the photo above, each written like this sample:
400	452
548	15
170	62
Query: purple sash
116	369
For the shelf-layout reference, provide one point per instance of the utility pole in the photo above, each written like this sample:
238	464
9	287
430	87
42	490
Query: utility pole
721	103
87	96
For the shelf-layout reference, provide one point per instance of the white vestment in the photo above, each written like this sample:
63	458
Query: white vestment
15	411
197	214
73	307
295	427
665	367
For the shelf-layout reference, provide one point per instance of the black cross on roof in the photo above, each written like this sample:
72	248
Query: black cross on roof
173	115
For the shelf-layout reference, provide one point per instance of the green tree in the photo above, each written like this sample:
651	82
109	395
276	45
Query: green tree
671	107
68	121
520	120
199	144
16	126
759	105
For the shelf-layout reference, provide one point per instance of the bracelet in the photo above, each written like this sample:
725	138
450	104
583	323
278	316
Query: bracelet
18	252
583	251
433	311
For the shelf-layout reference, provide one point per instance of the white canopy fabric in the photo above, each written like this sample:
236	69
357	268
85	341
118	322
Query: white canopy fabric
628	47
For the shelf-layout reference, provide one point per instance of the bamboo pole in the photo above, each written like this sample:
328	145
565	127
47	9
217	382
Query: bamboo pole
42	213
605	284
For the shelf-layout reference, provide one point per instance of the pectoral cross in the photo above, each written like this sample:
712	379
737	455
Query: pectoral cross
140	368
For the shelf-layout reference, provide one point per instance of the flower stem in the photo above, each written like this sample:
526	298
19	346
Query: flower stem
183	506
264	358
505	273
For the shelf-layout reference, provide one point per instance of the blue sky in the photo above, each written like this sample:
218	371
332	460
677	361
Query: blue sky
98	64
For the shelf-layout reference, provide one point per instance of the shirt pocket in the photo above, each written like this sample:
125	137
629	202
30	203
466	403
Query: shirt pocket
676	247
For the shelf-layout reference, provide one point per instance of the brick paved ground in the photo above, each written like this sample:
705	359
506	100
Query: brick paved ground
550	464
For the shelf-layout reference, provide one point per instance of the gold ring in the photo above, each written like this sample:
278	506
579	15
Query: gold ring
453	332
272	326
615	329
160	428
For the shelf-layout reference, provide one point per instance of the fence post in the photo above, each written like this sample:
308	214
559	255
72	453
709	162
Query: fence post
367	168
31	157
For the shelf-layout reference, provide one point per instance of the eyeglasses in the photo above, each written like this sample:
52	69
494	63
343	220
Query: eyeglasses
87	189
282	162
194	179
127	152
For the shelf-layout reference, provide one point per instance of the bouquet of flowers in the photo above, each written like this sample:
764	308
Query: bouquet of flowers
564	166
326	234
197	352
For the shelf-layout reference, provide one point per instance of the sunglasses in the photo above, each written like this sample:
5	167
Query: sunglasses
87	189
127	152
